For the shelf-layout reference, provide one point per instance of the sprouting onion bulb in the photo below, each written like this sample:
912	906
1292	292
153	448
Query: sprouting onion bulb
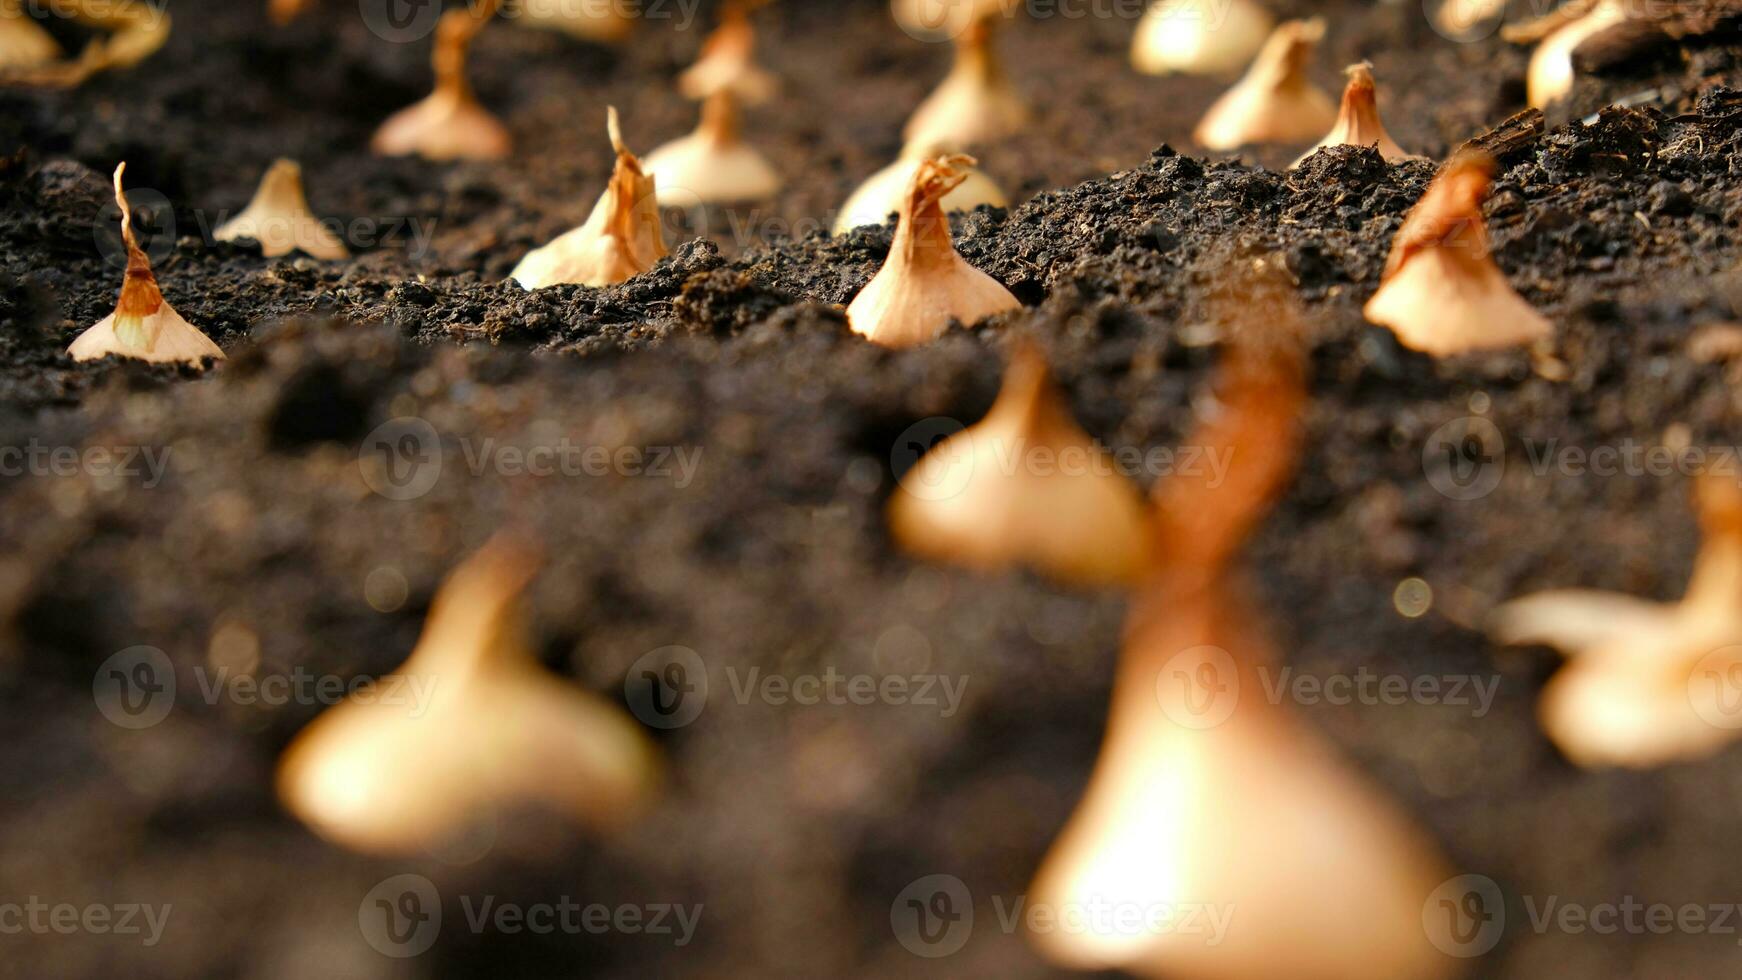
713	165
1024	486
477	726
622	238
1210	795
1646	683
1358	122
1274	102
975	104
728	61
881	194
1442	293
280	220
925	284
1199	37
449	124
144	326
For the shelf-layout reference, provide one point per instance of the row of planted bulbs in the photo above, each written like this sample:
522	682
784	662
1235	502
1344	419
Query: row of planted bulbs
1443	299
1328	877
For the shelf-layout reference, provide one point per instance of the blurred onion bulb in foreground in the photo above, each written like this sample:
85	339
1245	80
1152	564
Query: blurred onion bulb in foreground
279	219
1199	37
983	499
1358	122
449	124
1646	683
925	283
881	194
1441	292
144	326
728	61
23	42
1274	102
476	725
975	104
713	165
1209	795
622	238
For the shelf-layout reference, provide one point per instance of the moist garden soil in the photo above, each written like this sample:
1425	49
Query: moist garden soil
758	539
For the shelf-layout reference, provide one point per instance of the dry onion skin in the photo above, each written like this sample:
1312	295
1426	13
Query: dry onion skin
622	238
1199	37
713	165
925	284
1358	122
280	220
975	501
1231	804
284	12
1441	293
144	326
1551	73
1274	102
881	194
449	124
974	105
728	61
1645	683
479	726
134	32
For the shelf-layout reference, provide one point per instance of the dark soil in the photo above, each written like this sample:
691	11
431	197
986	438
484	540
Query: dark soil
796	827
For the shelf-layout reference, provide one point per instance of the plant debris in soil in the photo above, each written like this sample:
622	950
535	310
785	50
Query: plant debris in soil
755	441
